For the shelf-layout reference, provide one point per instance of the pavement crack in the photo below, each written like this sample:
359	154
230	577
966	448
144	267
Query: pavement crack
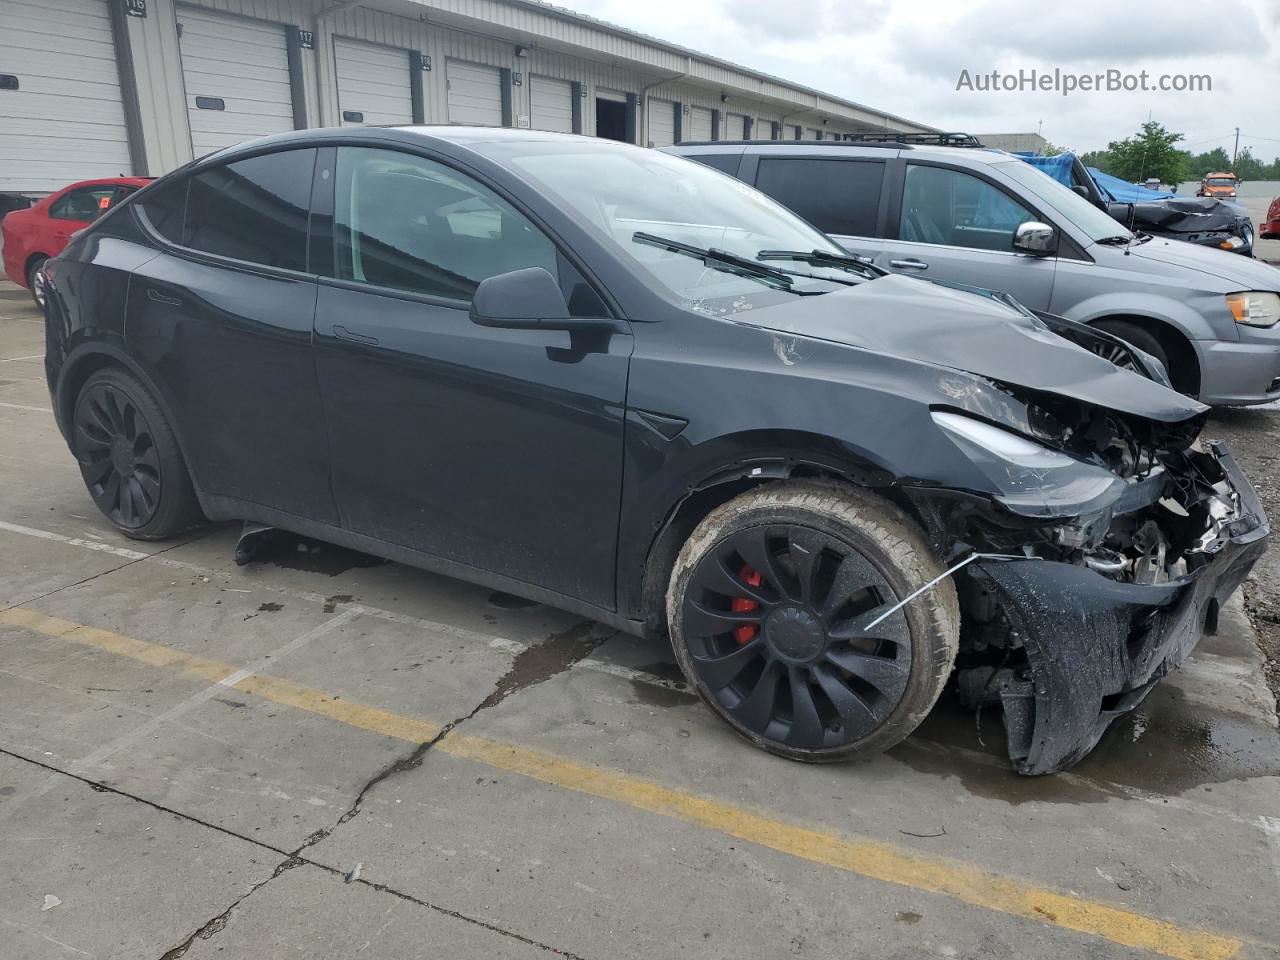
215	925
110	570
290	860
532	665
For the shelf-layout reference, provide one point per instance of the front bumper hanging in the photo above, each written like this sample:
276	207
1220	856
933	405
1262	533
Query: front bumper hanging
1094	646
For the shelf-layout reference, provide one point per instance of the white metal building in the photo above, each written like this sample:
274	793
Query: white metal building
106	87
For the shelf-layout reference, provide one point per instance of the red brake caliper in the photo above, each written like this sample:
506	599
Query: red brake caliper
747	631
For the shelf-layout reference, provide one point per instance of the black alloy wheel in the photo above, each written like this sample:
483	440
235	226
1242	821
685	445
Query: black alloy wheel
116	449
776	623
771	606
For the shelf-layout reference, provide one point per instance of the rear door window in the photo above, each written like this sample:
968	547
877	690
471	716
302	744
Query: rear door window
839	197
253	210
83	205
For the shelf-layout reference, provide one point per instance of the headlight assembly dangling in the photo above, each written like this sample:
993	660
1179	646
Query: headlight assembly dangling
1029	478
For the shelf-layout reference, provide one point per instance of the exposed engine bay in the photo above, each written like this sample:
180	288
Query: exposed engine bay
1068	622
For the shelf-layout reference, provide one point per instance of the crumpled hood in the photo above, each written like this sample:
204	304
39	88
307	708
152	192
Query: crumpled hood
1239	273
917	320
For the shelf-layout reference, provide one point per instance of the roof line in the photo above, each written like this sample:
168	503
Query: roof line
564	13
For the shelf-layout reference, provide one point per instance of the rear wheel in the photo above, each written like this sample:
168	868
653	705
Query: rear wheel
130	460
36	281
775	609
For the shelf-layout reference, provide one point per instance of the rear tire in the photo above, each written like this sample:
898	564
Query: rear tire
36	281
130	460
769	604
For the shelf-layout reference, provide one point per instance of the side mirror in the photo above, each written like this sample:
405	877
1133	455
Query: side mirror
1035	238
531	299
527	299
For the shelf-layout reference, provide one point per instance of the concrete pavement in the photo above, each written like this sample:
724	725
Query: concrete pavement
320	757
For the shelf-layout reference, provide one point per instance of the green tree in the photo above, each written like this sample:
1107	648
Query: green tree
1151	153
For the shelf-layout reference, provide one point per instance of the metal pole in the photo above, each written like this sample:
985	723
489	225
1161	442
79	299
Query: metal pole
1235	151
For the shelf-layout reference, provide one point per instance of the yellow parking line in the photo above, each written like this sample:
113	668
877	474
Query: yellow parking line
862	856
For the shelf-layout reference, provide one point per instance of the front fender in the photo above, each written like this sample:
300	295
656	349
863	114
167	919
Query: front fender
1182	317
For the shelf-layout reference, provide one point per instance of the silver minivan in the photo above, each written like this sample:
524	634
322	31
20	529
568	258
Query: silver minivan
970	215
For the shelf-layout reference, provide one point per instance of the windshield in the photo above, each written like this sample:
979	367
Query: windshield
1221	182
1062	200
621	191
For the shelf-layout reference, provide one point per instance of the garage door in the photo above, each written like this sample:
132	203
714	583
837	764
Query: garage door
475	94
551	104
236	73
699	124
65	122
734	127
373	83
662	123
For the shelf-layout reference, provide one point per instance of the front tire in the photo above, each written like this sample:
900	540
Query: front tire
769	607
130	460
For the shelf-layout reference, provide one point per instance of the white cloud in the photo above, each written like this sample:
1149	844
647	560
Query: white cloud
906	57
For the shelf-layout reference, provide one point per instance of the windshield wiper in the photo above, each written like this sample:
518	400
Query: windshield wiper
821	258
726	262
1117	240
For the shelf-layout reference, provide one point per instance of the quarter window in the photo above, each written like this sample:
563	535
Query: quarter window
953	208
253	210
837	196
409	223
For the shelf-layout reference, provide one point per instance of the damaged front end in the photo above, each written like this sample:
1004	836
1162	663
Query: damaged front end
1118	540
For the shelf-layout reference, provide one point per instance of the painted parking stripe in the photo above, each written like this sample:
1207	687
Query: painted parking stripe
593	665
23	406
862	856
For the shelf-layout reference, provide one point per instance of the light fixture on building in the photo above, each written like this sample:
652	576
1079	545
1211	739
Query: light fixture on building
521	52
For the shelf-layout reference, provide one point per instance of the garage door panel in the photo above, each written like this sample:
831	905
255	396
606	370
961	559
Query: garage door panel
66	121
551	104
700	123
662	123
245	64
42	70
373	81
475	93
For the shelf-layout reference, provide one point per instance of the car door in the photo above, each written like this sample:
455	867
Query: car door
221	320
73	211
840	196
954	225
496	449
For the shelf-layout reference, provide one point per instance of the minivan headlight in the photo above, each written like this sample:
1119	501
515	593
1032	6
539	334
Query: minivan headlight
1255	309
1029	478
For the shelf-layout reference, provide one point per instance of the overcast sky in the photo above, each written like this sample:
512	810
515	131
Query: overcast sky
907	56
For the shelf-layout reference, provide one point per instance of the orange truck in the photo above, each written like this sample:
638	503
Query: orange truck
1219	185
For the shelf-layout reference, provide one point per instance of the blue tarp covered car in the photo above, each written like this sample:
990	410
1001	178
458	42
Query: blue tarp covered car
1204	221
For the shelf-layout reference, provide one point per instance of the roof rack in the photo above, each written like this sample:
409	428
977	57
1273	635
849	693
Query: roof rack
941	139
888	140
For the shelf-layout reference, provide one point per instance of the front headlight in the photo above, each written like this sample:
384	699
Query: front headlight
1031	479
1255	309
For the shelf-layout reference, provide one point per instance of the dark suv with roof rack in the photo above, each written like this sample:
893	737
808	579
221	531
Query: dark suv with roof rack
942	207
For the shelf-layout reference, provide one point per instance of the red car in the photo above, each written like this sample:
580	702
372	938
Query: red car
33	235
1271	226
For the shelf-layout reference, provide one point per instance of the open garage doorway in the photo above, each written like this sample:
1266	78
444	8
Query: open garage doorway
611	115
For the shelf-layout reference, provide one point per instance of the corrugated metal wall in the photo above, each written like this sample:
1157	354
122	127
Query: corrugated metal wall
618	63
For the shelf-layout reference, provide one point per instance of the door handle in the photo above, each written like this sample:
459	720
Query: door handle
158	297
342	333
909	264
